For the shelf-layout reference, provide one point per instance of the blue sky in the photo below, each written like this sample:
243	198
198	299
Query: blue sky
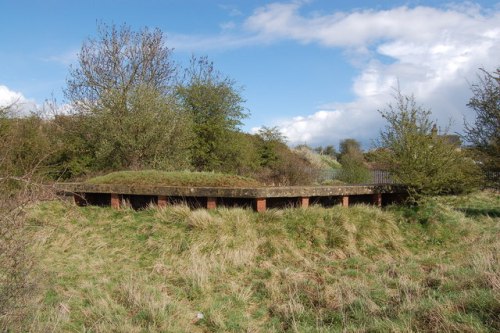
319	70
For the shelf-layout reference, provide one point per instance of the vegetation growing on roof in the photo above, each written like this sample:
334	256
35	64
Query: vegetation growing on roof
174	178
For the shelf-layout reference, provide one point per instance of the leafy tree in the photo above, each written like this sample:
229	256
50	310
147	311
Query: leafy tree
216	109
280	165
350	147
327	150
247	162
74	134
354	170
330	151
25	145
271	140
484	134
422	160
121	91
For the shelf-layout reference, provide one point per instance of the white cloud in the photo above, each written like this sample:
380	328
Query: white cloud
433	53
230	25
359	28
15	102
229	40
9	97
18	105
67	58
231	10
335	122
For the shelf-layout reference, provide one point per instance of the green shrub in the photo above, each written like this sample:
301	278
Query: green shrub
354	170
416	156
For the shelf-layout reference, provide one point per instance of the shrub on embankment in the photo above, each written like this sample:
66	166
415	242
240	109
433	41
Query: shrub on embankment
432	268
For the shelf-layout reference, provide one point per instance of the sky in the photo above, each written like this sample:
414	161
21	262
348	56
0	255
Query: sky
318	70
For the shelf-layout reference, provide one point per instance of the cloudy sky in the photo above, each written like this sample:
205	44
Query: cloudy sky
317	69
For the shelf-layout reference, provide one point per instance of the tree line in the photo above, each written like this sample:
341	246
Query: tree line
133	107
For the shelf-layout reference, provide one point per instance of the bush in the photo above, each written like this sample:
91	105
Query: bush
279	164
16	284
291	169
484	134
416	156
353	170
23	145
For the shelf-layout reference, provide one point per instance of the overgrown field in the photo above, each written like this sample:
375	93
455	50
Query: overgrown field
358	269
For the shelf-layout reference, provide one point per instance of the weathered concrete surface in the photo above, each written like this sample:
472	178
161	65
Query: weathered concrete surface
261	197
226	192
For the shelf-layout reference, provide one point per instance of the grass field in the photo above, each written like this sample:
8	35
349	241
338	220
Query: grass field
434	268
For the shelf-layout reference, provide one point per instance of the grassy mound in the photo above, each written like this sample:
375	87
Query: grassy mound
354	269
176	178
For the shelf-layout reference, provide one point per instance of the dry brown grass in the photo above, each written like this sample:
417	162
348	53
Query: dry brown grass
18	276
318	270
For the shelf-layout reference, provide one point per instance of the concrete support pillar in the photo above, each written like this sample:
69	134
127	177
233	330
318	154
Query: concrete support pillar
162	201
304	202
115	201
79	199
260	204
377	199
211	203
345	201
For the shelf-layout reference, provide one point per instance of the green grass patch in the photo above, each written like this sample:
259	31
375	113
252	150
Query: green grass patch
360	269
174	178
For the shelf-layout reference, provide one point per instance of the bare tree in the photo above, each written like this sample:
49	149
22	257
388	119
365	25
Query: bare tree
17	188
121	90
115	64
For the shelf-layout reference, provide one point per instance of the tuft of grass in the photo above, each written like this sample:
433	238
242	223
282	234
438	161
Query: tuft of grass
355	269
174	178
201	219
